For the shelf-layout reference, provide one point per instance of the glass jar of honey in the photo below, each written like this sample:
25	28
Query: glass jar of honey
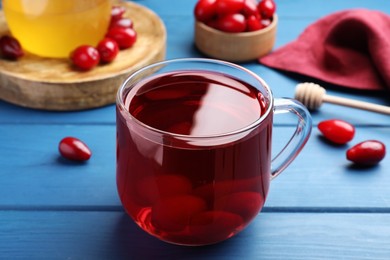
53	28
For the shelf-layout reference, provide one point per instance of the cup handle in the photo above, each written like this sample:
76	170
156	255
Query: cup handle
299	137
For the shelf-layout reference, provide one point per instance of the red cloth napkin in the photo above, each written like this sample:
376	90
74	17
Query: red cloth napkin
349	48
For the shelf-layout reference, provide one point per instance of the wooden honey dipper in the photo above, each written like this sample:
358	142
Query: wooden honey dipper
313	95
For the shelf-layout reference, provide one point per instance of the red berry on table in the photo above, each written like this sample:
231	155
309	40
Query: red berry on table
337	131
117	12
124	37
224	7
108	49
74	149
10	48
205	10
266	8
253	24
232	23
85	57
123	22
367	153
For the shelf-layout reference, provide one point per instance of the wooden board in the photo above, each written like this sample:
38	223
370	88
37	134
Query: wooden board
53	84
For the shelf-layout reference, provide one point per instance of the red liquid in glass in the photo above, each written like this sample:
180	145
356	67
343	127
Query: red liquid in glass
200	192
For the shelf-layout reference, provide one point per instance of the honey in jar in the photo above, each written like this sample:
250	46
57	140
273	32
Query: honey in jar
53	28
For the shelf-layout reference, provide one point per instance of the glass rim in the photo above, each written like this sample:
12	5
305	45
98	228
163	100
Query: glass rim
254	124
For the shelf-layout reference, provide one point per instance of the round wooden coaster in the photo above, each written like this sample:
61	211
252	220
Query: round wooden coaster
52	84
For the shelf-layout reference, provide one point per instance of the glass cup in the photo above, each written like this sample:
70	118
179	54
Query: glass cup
54	28
194	148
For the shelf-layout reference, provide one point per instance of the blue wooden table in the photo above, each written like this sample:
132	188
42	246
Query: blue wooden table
321	207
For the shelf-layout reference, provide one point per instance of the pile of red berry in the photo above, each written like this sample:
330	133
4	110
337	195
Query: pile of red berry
121	35
235	16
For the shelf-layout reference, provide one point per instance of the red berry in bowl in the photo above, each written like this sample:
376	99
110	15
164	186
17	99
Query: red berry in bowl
367	153
85	57
266	8
232	23
253	24
250	8
337	131
213	24
124	37
224	7
10	48
108	50
74	149
266	22
205	10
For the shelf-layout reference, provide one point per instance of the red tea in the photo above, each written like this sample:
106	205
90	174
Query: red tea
177	183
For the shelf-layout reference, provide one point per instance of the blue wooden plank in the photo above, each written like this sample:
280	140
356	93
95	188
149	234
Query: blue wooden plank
33	175
112	235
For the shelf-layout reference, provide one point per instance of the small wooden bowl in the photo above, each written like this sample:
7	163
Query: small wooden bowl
235	47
